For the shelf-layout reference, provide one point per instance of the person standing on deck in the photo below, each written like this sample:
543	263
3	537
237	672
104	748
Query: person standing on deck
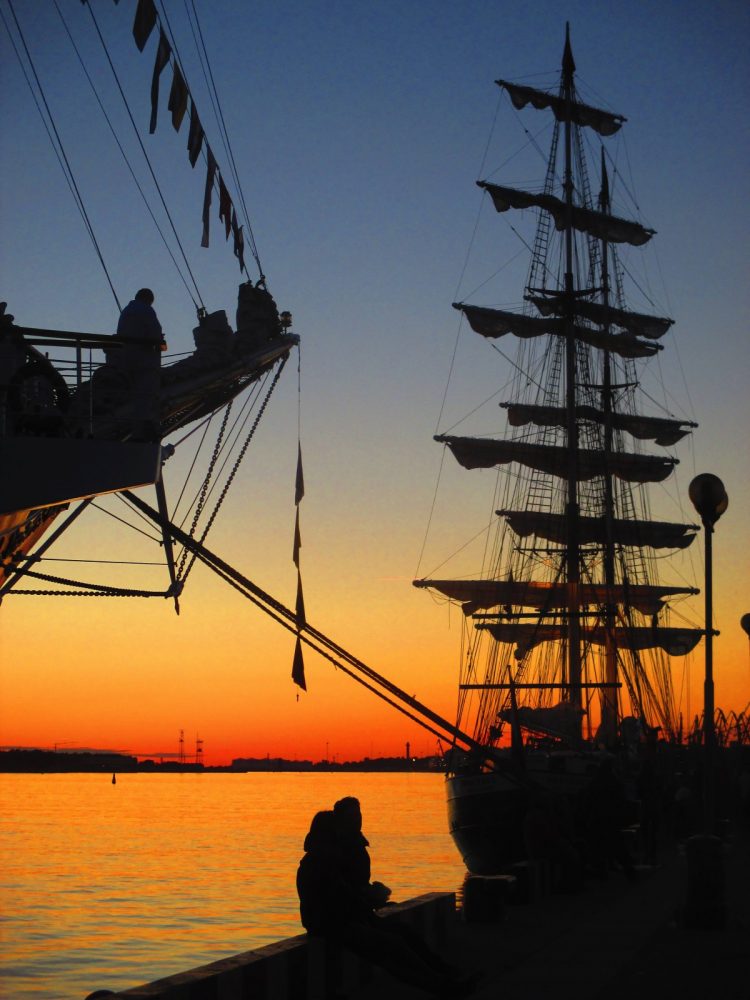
139	361
139	320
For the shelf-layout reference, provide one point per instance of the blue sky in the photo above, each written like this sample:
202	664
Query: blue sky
359	130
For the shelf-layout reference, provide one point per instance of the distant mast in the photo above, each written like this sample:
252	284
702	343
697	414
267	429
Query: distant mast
608	695
572	548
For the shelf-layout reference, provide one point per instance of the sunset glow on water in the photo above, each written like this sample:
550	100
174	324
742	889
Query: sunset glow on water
110	886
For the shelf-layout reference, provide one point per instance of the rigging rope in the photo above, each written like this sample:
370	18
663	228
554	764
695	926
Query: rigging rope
59	149
126	523
105	590
327	655
204	488
100	562
146	157
237	425
20	571
124	155
205	424
216	104
233	473
321	643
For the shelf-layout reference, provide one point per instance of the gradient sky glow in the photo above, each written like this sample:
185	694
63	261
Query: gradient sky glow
359	130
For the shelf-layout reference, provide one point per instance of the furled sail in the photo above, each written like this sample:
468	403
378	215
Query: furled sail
496	323
484	453
586	220
604	122
476	595
674	641
554	528
563	719
639	324
661	430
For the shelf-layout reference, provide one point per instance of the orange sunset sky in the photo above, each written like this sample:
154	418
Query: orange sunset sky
129	674
359	133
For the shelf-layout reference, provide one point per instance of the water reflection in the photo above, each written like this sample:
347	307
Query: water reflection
114	885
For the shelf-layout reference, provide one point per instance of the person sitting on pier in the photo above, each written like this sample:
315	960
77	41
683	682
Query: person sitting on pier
333	909
355	859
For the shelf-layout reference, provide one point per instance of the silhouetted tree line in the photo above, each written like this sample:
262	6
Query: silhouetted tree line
45	761
60	761
367	764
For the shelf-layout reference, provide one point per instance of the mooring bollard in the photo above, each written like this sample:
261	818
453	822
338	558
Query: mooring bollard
705	907
485	897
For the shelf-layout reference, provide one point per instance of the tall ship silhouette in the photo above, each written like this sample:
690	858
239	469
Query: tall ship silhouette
570	635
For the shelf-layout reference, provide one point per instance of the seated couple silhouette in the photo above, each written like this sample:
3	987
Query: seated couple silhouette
338	902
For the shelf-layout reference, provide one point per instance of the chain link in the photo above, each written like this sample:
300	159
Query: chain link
92	589
204	488
232	474
88	593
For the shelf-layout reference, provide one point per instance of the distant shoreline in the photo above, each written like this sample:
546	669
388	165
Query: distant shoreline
66	762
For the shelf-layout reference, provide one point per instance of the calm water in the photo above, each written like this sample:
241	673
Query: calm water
110	886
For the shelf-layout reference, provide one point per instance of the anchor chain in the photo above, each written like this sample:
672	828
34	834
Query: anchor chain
90	593
92	589
204	488
183	577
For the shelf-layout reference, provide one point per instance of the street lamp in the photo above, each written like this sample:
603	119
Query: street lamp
705	900
710	499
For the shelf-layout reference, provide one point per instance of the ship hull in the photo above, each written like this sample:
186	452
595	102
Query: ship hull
487	809
485	819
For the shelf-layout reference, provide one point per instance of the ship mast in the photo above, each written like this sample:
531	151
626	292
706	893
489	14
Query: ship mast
609	691
572	554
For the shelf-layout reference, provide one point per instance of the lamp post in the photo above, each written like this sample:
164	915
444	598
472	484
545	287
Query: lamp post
710	499
705	868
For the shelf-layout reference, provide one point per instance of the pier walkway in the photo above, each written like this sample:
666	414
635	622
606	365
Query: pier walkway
615	940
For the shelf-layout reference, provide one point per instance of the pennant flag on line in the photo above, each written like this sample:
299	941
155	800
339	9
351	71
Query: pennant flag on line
178	97
144	22
298	666
299	486
301	620
210	173
225	207
163	52
195	135
239	241
297	540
